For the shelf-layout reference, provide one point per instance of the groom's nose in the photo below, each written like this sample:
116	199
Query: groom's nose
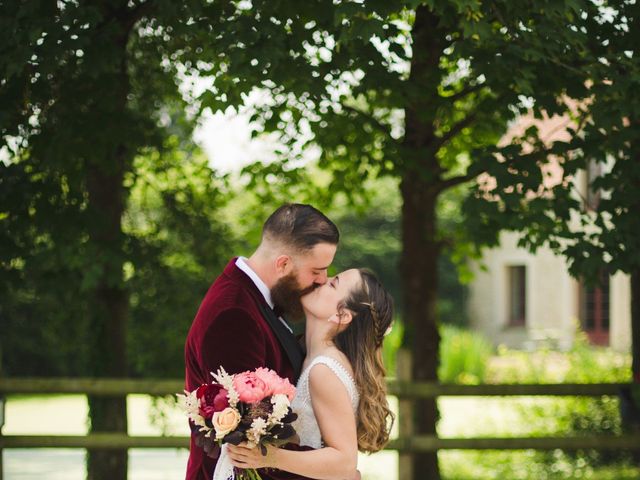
320	278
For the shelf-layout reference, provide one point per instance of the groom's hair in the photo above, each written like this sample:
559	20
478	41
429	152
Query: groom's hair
300	226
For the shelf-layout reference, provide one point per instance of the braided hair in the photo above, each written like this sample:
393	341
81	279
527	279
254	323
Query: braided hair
361	342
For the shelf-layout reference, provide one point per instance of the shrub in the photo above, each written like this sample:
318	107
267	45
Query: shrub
463	356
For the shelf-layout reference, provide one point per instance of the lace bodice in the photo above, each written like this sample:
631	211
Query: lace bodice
306	425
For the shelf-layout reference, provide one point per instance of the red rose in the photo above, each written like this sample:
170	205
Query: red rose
212	398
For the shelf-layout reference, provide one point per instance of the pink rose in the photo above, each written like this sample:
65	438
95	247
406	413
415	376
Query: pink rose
250	387
212	398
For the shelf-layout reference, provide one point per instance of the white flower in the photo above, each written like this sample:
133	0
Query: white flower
280	404
191	405
200	422
257	430
226	380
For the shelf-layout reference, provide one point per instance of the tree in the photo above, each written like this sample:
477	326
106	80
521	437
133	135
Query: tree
414	90
85	88
597	229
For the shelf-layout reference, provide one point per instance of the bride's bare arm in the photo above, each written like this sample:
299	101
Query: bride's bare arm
334	413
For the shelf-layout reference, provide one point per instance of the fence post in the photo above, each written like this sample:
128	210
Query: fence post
1	421
405	415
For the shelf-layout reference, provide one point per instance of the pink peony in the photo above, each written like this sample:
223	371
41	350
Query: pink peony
275	383
212	398
269	377
250	387
284	387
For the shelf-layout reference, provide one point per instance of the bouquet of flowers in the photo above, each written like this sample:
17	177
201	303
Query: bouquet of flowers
252	407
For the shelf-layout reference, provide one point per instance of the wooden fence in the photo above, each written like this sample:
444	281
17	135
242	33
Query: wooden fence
406	444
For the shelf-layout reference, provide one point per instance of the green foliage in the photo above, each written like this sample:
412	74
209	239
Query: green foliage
370	236
176	245
526	465
392	343
463	356
585	416
37	320
179	247
593	222
370	233
572	416
584	363
420	91
590	364
547	416
86	89
343	79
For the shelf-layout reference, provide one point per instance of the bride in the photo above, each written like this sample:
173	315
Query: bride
341	394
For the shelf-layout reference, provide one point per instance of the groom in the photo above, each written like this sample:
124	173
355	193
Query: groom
239	324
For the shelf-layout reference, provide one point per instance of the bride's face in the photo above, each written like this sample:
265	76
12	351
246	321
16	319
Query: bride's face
323	302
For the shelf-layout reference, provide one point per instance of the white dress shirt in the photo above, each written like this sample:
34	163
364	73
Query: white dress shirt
241	263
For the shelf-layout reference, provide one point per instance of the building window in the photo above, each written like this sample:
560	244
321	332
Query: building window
595	311
517	308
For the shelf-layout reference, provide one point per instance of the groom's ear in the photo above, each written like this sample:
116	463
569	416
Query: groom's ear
284	265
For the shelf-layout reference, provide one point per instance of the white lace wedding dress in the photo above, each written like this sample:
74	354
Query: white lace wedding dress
306	424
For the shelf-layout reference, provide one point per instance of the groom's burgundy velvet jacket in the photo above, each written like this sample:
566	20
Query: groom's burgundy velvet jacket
235	328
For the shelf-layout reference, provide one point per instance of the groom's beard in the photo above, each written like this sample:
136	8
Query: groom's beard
286	294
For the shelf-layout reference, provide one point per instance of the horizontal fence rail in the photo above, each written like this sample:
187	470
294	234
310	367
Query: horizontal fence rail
403	390
116	387
423	443
90	386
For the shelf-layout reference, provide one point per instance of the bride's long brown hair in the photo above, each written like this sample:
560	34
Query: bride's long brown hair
361	341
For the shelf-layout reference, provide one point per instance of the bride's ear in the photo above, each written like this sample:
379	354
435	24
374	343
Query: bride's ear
342	317
345	316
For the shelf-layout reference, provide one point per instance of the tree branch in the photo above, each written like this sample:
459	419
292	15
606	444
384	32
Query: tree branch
367	116
464	92
456	129
457	180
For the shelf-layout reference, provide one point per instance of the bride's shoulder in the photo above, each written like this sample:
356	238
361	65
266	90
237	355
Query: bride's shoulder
329	382
336	359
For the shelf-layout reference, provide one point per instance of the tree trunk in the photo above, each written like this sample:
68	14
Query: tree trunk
419	187
420	277
635	325
110	307
110	312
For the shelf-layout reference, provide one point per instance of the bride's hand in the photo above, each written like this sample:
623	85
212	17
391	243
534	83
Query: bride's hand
245	457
